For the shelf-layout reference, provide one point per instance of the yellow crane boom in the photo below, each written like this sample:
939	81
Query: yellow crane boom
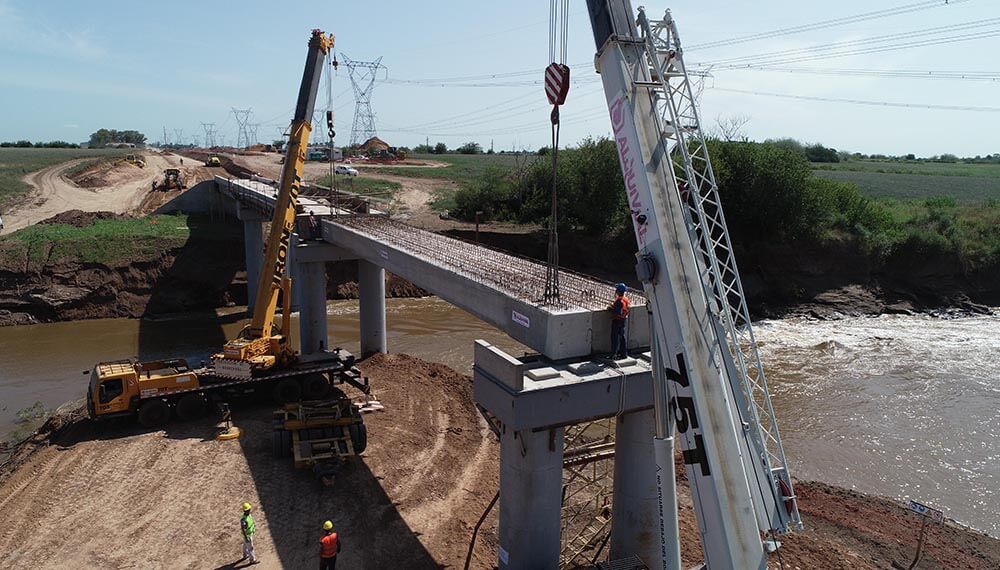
258	347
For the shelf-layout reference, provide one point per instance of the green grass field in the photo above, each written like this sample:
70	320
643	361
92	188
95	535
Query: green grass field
910	167
15	163
365	185
110	241
463	167
964	188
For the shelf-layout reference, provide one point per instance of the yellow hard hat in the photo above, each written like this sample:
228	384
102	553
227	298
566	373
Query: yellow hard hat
246	507
328	525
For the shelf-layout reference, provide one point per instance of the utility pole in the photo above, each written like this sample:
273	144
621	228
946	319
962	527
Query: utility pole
363	74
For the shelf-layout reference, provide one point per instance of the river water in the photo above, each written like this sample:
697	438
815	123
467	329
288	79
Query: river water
904	406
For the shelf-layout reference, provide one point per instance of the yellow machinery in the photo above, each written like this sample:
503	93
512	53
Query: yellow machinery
261	358
213	160
172	180
135	159
261	346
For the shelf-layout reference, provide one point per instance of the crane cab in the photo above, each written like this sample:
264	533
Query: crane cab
116	387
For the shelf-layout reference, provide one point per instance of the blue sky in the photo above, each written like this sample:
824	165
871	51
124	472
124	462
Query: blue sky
68	68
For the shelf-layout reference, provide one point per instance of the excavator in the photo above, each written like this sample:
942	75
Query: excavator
261	358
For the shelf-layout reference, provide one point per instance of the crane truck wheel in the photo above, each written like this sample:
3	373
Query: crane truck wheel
287	391
191	407
315	387
154	414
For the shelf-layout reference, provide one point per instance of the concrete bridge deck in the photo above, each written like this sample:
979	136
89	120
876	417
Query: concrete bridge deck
502	289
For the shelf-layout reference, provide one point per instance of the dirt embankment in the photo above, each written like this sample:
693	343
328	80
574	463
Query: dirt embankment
203	274
783	281
411	501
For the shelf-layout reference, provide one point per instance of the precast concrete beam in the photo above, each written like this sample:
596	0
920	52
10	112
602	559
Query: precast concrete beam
312	313
530	498
558	333
635	515
371	294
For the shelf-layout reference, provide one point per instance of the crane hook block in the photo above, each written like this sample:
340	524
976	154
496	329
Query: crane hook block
557	83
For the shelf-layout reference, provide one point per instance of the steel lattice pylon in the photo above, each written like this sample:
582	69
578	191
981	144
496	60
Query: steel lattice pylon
363	74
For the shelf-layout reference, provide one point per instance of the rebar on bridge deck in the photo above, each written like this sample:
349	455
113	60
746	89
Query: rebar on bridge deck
520	277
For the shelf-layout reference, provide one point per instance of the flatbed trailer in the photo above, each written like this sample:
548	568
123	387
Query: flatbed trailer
319	435
155	391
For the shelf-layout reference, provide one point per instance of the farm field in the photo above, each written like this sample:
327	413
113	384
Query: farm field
15	163
910	167
463	167
964	188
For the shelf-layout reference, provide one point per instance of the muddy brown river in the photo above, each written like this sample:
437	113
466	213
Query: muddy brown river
904	406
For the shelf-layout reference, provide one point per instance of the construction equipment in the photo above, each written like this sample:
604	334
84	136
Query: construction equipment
261	345
710	380
135	159
172	180
213	160
261	358
319	435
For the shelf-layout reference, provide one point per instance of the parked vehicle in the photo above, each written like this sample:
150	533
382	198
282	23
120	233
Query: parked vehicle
346	170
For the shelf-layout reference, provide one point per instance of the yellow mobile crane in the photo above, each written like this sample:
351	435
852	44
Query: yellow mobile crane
261	357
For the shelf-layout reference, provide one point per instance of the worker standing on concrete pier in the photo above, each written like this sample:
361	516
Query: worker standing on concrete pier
329	548
619	322
247	528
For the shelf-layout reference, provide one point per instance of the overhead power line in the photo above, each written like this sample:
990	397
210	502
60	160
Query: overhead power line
953	75
872	42
885	13
972	108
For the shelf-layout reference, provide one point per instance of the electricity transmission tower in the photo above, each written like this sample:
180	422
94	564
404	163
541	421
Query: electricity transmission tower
252	128
209	134
363	75
242	131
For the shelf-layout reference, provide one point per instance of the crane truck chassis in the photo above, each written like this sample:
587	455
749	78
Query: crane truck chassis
154	391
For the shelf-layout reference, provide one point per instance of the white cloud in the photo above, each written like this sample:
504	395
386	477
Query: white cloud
18	35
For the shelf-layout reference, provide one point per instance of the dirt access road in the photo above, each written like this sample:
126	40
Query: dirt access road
125	193
411	203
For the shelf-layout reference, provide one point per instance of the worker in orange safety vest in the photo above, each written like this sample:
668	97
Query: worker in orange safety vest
329	547
619	322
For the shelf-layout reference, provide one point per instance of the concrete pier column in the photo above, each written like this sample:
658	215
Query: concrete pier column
312	307
371	292
635	515
530	498
253	246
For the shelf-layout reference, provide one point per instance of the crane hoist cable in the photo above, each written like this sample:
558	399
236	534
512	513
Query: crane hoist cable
556	89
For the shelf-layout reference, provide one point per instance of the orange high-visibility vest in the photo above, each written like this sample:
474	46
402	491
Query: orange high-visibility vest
625	307
329	543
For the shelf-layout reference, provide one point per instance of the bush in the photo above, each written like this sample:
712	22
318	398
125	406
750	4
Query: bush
491	193
470	148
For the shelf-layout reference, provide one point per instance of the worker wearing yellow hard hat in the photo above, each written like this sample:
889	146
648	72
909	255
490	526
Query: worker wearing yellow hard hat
329	547
247	528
